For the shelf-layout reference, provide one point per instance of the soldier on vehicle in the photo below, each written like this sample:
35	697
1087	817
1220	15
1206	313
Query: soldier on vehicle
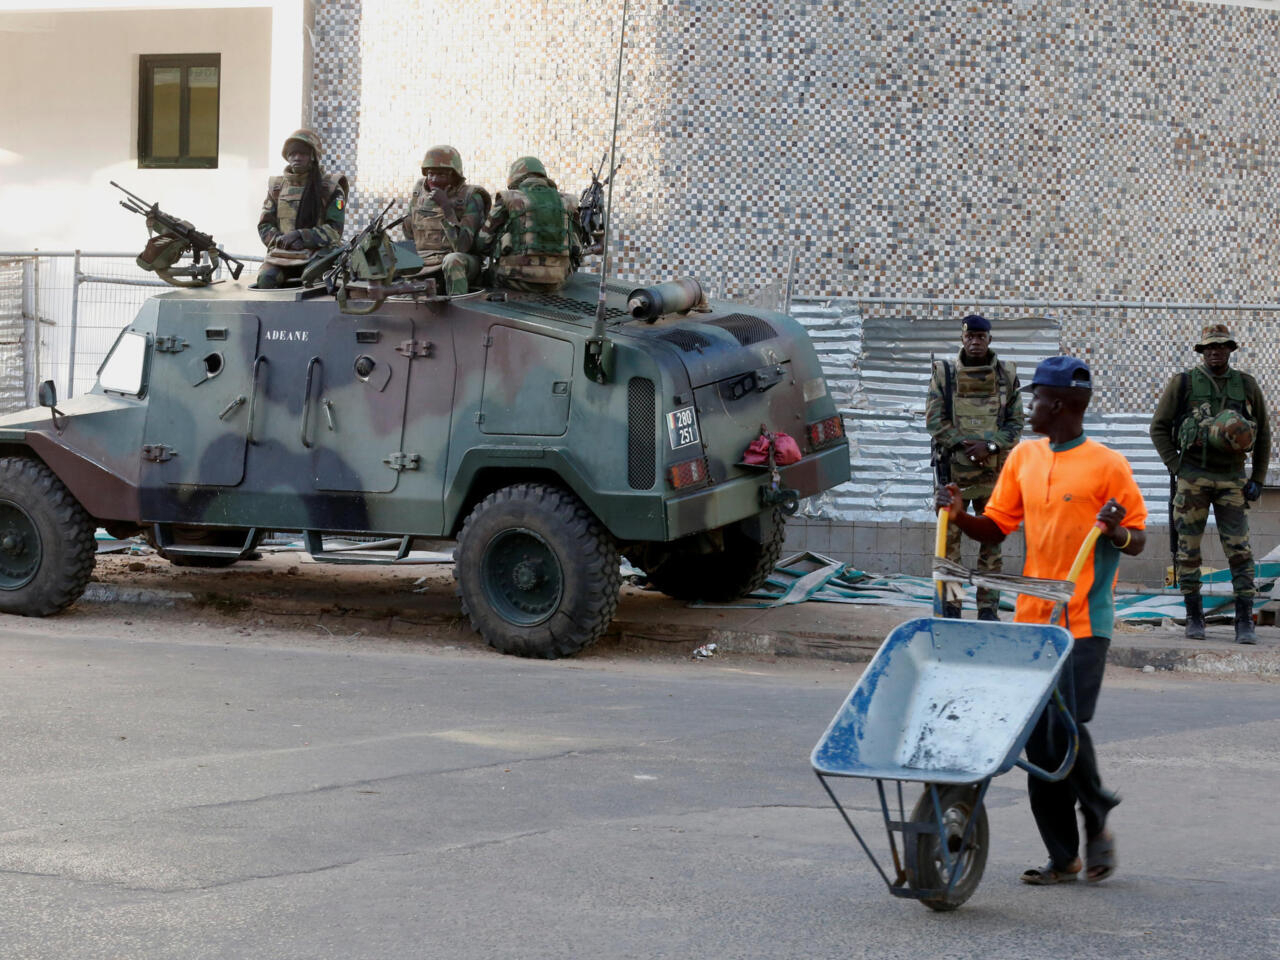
303	213
974	414
530	233
445	216
1208	420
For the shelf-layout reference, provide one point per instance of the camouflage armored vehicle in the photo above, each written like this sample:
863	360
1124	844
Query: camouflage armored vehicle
502	419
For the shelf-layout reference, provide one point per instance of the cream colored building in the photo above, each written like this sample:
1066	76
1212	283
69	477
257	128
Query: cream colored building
72	99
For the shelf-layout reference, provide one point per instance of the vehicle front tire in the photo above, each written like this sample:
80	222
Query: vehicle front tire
699	568
537	573
47	546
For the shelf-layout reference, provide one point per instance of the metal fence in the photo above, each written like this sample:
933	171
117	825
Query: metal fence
876	355
60	312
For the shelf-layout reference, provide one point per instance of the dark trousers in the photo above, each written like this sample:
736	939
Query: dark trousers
1054	804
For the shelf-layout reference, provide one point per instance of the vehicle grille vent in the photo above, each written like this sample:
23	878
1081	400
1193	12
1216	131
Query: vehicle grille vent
537	311
746	329
617	286
641	450
570	305
690	341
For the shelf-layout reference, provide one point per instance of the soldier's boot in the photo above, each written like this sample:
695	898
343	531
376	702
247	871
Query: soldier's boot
951	611
1245	632
1195	616
988	613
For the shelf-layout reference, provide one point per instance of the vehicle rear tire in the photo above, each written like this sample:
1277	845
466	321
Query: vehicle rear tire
204	536
47	546
927	870
697	568
537	573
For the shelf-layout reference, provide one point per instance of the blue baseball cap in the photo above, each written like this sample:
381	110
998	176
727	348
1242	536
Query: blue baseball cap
1062	372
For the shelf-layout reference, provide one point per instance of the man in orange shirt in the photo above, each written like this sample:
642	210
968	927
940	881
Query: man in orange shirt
1057	488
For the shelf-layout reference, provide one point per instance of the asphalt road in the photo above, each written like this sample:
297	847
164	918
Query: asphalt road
190	794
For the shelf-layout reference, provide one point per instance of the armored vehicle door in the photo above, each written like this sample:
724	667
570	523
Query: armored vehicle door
354	406
526	384
199	398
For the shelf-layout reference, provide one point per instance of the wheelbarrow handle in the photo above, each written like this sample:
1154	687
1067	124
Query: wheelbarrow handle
1073	745
940	550
1086	548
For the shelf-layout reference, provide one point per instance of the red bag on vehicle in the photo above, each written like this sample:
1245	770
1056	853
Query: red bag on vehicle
785	450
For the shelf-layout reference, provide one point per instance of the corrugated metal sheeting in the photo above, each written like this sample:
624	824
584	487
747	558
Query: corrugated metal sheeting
877	360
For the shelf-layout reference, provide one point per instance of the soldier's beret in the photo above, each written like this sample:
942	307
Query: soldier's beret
975	321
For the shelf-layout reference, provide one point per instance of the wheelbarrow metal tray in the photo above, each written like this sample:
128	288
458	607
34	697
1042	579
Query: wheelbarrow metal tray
945	701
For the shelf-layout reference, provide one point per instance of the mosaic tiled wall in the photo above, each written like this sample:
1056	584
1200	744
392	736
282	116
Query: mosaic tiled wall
1038	148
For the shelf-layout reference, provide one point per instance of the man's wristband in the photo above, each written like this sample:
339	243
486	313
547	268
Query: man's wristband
1128	538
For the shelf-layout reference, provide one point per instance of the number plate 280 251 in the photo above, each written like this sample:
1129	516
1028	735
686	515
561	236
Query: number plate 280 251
682	427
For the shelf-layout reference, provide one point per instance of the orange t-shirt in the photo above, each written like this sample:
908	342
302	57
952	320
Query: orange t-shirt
1055	493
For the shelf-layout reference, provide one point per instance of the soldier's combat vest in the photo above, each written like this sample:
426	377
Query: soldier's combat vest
979	400
426	220
1206	438
534	247
287	189
537	223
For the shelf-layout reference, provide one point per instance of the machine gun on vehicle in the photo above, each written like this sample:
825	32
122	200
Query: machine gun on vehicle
171	239
367	266
591	208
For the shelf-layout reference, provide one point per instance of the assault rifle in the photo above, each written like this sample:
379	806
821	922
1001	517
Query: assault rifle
162	252
368	266
591	208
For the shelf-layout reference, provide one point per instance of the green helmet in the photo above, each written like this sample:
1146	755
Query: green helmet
524	167
308	137
443	156
1231	433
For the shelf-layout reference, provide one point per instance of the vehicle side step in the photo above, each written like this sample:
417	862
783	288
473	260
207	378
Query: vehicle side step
163	534
314	542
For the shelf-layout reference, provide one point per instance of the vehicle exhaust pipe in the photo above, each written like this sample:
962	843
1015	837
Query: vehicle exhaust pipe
674	296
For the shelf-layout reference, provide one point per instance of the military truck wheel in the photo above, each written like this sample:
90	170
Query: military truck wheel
698	568
204	536
537	573
47	547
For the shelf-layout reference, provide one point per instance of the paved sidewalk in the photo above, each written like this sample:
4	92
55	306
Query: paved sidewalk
390	600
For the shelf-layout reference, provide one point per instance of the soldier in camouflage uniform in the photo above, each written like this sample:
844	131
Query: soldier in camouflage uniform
1207	421
445	216
304	211
530	233
974	414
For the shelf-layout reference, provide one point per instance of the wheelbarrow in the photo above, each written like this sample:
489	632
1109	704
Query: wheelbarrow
949	704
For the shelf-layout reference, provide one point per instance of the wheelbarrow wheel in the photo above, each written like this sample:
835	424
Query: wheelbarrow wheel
929	871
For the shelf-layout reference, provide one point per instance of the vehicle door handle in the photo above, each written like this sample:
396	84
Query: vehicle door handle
253	398
306	401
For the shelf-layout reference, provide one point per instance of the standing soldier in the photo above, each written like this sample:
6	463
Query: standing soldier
974	414
445	215
530	233
303	213
1208	420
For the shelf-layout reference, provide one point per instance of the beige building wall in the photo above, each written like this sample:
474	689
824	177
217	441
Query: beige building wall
69	120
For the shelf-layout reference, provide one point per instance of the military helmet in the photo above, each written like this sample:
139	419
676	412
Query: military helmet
524	167
1213	334
308	137
442	155
1230	433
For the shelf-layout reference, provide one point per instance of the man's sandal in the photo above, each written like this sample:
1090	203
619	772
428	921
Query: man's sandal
1048	875
1100	856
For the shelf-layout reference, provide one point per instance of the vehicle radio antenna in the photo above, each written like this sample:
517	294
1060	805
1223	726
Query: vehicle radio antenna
599	349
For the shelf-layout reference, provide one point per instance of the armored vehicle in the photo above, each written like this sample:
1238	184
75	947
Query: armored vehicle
502	419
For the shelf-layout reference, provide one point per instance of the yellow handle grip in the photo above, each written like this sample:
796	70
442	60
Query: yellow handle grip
940	550
1086	548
